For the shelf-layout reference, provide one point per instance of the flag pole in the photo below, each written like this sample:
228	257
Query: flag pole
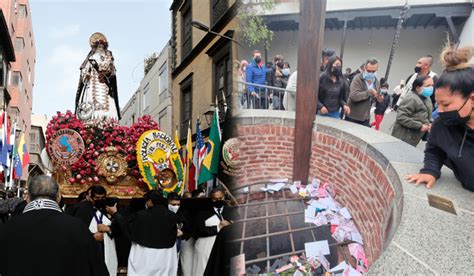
13	157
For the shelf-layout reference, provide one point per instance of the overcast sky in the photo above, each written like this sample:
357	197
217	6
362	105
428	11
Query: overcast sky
134	29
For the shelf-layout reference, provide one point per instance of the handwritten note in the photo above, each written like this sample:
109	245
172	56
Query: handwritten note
314	249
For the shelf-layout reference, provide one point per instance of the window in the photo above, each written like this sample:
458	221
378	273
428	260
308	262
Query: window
3	71
163	79
218	8
146	97
22	11
29	75
186	29
222	78
133	119
17	81
186	105
33	138
162	117
19	44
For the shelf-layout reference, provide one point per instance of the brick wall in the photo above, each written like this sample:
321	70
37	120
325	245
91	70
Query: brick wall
267	152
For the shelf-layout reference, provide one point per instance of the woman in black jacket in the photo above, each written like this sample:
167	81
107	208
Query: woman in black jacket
451	140
333	90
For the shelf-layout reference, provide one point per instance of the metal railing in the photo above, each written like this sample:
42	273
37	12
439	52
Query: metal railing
257	96
249	225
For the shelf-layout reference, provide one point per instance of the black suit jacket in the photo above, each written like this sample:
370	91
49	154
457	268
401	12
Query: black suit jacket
153	228
48	242
201	230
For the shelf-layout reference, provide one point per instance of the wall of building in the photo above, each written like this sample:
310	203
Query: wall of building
201	67
158	98
361	44
21	27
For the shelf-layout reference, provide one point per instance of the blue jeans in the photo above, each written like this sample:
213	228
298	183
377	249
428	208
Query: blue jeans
335	114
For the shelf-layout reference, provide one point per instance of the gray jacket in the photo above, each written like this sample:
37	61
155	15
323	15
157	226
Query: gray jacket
360	100
414	111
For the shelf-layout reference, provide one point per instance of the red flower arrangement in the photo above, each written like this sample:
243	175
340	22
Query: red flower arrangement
97	136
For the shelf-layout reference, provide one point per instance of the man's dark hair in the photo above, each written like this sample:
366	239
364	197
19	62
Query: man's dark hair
196	192
173	196
156	197
82	196
430	59
43	186
418	82
371	61
327	52
97	190
217	189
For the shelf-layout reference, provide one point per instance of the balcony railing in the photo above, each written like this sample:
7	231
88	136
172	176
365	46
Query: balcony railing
256	96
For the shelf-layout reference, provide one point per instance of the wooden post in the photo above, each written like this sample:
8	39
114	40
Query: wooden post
310	44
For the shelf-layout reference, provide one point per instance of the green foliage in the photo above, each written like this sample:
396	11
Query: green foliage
253	28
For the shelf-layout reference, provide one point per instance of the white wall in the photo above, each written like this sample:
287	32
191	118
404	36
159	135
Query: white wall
292	6
466	38
361	44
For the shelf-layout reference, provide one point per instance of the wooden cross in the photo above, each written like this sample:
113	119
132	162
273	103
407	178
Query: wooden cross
310	44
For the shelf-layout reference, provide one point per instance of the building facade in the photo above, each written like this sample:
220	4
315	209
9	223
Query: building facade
369	32
37	144
153	96
20	81
7	57
202	61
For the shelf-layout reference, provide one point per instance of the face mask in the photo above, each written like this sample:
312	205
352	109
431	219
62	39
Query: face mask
417	69
369	76
427	92
279	64
218	203
258	60
99	204
286	72
337	71
173	208
452	118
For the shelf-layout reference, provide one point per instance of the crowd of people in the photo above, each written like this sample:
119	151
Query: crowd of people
159	234
418	100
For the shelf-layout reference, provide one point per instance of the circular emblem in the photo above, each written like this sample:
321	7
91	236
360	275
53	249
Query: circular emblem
111	164
66	147
230	156
156	152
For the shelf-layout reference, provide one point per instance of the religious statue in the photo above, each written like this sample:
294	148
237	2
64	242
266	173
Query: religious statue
97	96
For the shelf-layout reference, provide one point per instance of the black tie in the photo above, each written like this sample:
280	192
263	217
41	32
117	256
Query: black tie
219	214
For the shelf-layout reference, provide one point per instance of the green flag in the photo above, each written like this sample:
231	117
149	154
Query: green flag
210	164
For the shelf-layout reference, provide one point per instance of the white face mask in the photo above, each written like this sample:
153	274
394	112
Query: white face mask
173	208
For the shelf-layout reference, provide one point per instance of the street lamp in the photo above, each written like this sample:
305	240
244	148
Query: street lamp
203	27
209	113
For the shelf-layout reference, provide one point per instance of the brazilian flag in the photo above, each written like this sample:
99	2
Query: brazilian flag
210	164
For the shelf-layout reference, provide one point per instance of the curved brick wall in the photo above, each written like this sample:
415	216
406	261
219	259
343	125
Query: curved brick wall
363	179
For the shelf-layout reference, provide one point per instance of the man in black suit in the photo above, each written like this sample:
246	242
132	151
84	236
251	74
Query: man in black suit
153	233
95	215
44	241
209	223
